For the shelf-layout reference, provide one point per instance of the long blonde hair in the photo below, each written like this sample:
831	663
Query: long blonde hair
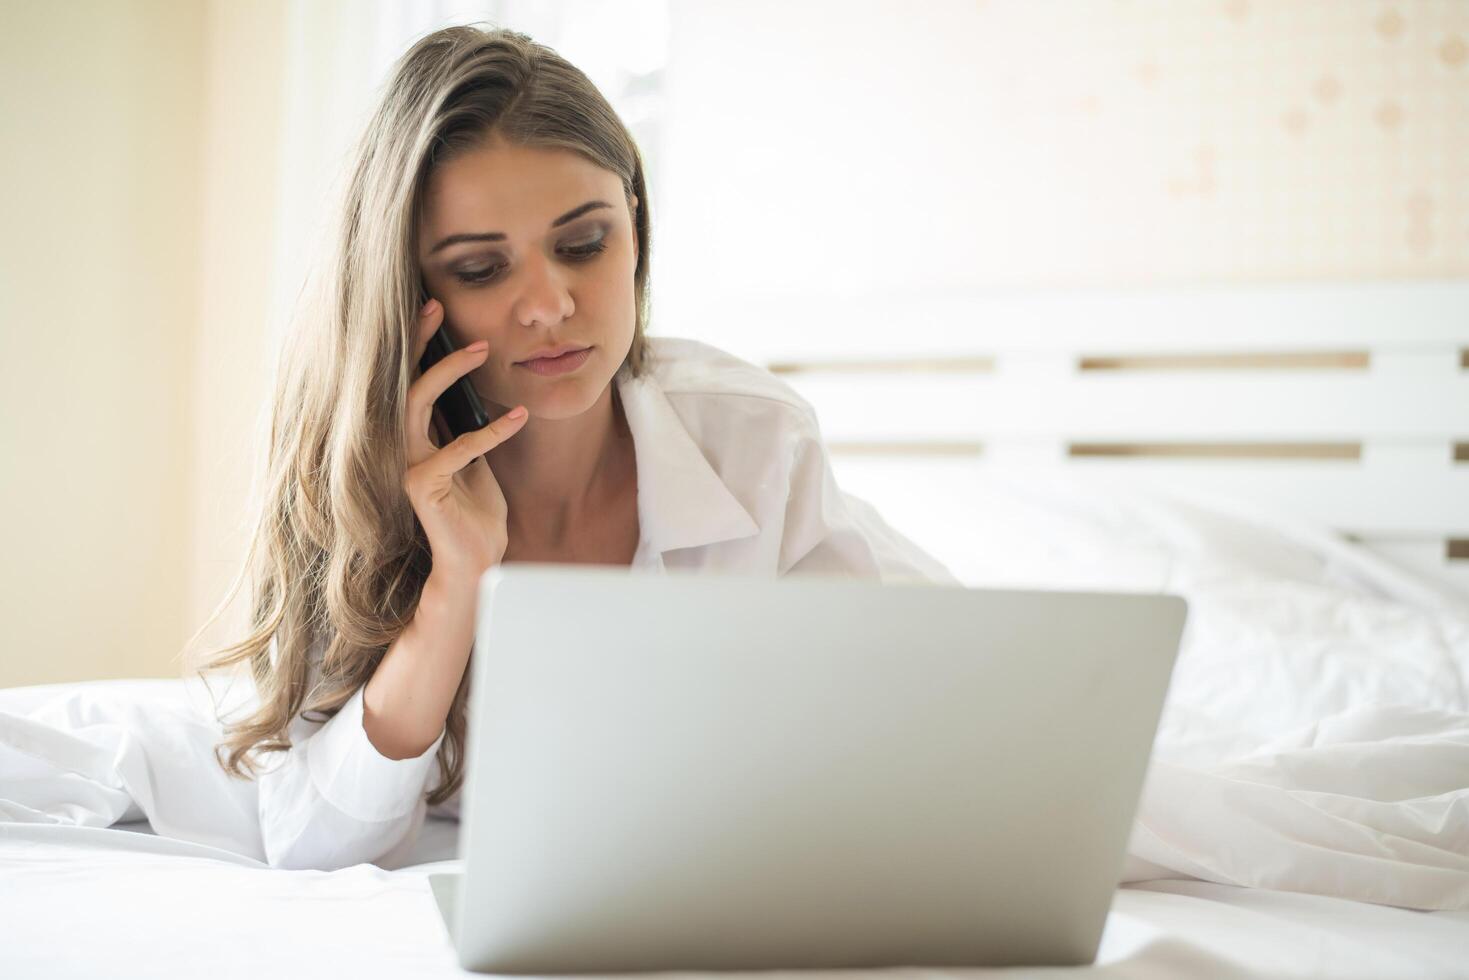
337	558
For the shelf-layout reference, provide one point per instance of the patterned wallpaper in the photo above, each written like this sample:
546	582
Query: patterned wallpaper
1240	139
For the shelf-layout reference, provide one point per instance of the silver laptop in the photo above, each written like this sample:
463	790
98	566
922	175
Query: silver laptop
706	772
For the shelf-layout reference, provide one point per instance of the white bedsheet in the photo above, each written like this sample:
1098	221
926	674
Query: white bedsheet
1314	747
84	903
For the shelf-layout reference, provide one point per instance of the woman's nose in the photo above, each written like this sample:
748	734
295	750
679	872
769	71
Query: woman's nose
544	297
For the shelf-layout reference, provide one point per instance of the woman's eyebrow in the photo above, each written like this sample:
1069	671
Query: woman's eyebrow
499	236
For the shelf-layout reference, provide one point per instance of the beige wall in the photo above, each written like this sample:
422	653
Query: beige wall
245	51
135	243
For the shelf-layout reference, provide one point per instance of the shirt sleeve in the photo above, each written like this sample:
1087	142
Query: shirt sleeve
333	800
829	531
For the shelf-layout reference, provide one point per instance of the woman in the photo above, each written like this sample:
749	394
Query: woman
496	179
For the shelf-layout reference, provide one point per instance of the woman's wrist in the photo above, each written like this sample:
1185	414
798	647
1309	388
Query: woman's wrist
447	592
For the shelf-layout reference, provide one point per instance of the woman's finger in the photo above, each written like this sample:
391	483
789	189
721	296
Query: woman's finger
429	317
419	446
423	394
426	389
472	445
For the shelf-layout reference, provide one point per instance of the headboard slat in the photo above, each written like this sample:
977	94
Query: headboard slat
1347	360
1167	406
1221	450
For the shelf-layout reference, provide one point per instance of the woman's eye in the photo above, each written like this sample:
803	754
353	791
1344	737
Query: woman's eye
473	277
588	250
477	277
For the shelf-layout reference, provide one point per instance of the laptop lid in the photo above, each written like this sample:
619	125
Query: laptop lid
705	771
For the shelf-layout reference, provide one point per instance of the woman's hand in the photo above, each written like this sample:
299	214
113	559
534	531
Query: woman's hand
456	497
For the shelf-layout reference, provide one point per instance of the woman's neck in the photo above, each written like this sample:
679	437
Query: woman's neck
556	474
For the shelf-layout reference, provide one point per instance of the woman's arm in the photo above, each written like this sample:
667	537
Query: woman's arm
407	700
332	800
350	789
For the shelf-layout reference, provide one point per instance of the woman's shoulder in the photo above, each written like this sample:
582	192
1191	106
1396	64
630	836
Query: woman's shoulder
696	373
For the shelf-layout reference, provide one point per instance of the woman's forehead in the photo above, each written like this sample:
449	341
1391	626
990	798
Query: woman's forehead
517	182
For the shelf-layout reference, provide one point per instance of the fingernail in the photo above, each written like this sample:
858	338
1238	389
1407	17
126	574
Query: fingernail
516	413
427	308
478	346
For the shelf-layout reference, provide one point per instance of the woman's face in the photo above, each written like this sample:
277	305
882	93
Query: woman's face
532	248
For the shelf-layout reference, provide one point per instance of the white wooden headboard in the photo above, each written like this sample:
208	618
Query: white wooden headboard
1347	404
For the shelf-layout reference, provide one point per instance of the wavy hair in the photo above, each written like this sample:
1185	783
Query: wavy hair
338	558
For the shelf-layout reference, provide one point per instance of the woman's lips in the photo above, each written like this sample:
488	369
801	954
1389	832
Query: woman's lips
557	365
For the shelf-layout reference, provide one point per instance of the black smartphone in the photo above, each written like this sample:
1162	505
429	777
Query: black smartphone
459	404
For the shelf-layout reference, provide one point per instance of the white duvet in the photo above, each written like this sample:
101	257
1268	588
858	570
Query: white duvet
1315	737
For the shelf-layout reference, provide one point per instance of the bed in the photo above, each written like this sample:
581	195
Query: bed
1306	810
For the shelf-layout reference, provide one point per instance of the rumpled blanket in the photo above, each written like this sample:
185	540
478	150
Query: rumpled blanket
1315	737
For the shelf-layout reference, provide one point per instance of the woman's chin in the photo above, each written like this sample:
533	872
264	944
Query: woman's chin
563	399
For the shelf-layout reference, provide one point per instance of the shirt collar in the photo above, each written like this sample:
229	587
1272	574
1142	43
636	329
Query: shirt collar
682	502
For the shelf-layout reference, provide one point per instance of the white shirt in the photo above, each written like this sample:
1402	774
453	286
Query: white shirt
733	476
